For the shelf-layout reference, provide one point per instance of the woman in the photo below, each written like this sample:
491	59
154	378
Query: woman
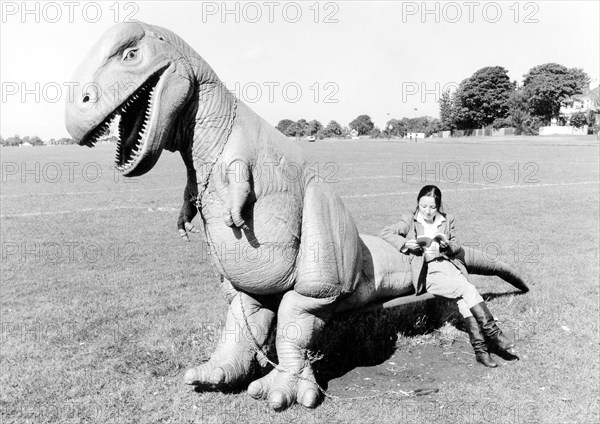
437	269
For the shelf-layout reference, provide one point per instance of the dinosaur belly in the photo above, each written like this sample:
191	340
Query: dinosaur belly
261	258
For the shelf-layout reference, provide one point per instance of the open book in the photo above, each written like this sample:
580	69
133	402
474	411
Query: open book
426	241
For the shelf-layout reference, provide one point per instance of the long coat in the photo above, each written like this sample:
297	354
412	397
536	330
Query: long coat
409	228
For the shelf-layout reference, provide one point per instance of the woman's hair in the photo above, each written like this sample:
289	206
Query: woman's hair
433	191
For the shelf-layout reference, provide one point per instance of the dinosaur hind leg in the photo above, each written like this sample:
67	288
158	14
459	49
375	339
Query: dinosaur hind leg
328	268
299	320
232	361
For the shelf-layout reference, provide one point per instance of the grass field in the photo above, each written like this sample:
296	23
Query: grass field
103	307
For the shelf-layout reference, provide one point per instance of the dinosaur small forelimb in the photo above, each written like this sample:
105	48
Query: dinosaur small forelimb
188	208
237	181
188	227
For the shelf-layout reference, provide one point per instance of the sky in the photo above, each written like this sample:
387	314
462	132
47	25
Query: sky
293	60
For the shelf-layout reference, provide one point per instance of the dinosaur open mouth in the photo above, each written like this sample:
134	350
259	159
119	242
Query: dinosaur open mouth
132	123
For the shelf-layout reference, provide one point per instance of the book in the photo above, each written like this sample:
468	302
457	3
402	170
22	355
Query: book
424	241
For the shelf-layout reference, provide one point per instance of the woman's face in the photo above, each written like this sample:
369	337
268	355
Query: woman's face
427	207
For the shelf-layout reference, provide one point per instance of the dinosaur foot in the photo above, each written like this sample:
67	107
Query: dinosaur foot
227	371
282	389
235	359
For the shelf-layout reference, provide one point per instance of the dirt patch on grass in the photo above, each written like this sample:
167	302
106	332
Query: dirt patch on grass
413	351
419	371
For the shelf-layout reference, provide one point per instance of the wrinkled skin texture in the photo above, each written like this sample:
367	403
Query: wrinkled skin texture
287	249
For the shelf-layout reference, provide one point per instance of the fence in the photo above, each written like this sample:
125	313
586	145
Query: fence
478	132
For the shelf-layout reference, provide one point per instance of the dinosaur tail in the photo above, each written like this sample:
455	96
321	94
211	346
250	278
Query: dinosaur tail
477	263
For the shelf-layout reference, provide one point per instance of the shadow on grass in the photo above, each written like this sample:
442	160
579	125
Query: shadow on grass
502	354
230	390
371	338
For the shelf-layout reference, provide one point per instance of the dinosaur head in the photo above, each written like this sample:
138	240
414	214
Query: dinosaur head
135	82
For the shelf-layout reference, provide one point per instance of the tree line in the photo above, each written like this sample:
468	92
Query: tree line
486	99
16	140
363	125
489	99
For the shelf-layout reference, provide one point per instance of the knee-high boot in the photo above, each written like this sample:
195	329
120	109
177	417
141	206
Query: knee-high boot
490	328
478	342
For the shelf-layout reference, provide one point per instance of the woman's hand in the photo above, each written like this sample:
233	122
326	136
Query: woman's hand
412	246
443	244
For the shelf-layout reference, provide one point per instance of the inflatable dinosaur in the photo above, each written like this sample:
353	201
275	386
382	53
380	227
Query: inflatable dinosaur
257	198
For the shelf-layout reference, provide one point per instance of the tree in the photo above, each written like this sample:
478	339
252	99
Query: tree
283	125
419	124
396	127
15	140
481	98
502	123
35	141
518	111
433	126
591	118
581	78
303	128
297	129
375	133
546	86
314	127
578	119
362	124
333	129
293	130
447	113
519	116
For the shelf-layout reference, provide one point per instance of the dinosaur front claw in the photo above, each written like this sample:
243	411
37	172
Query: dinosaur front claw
187	228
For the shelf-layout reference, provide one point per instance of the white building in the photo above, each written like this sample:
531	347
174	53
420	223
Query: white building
588	101
415	136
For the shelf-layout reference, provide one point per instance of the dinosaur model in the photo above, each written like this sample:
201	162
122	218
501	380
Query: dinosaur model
257	198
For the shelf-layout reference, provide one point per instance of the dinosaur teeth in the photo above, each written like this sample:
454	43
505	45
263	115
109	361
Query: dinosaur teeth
134	124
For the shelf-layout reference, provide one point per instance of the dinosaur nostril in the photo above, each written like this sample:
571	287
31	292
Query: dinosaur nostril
91	93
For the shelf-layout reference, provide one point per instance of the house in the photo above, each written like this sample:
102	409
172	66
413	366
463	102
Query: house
415	136
588	101
354	134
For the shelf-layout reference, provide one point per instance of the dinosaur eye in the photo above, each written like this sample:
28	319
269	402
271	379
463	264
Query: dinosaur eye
129	54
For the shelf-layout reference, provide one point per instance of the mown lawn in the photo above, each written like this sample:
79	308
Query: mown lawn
103	307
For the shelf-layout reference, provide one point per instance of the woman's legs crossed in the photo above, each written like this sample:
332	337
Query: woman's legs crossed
445	280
